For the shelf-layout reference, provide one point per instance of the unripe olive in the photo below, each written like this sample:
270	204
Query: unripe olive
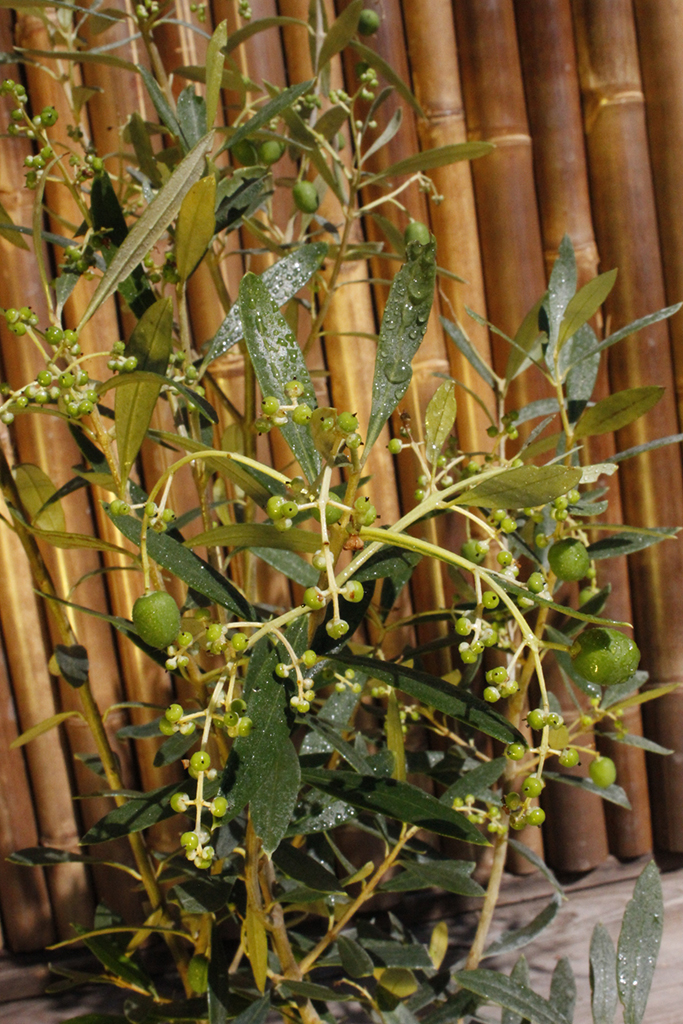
605	656
417	232
569	559
156	618
368	23
305	196
198	974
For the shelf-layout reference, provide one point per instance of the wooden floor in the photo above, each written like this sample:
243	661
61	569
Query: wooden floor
600	896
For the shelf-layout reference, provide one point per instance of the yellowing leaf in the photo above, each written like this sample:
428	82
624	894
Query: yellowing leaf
41	727
438	944
196	225
8	233
395	738
35	488
439	419
214	71
399	981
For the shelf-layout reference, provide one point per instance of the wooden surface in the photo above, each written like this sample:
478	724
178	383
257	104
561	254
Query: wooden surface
600	896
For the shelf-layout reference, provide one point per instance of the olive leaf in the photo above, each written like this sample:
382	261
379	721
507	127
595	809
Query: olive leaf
151	344
617	411
439	419
518	488
195	227
36	491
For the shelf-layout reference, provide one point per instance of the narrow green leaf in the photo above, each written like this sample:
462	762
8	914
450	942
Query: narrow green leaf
639	941
525	851
452	876
275	106
194	571
302	868
525	339
563	988
385	69
135	815
73	664
44	726
197	401
259	25
82	56
403	327
283	280
521	976
289	564
195	227
439	419
629	453
108	952
354	959
277	359
633	740
436	693
207	894
218	994
475	782
340	32
585	304
519	937
139	136
13	237
617	410
36	491
603	976
396	799
517	488
252	757
561	288
431	158
161	104
257	535
394	732
626	543
272	805
382	140
151	225
613	794
151	344
254	1014
509	994
214	71
457	335
636	325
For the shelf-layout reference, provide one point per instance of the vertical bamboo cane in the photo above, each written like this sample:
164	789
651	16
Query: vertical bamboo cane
427	583
554	109
432	49
660	37
24	900
626	231
509	229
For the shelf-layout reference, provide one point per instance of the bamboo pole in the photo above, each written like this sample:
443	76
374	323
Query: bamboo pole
432	49
428	586
509	230
548	55
660	37
626	231
24	900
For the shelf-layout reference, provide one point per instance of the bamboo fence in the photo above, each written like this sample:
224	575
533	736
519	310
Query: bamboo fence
584	102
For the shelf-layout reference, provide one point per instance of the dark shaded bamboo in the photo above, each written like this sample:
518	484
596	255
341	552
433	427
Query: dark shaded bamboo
432	49
509	230
659	26
548	55
24	901
626	231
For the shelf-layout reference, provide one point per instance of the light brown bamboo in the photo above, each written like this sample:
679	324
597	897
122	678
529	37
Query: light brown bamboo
509	229
143	680
349	359
548	55
24	901
432	49
660	37
626	231
428	583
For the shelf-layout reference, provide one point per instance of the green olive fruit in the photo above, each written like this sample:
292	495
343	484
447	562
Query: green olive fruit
603	772
245	153
198	974
605	656
270	151
569	559
417	232
305	196
368	23
156	618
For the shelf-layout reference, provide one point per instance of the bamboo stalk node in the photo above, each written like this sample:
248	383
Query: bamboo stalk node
596	104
